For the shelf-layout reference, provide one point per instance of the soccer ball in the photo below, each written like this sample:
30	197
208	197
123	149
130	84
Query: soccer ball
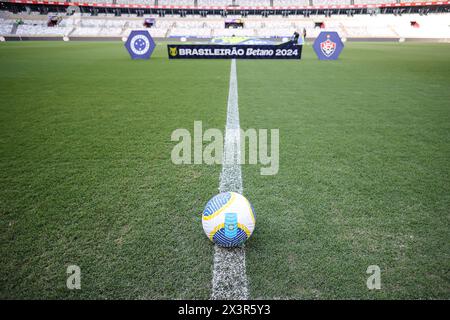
228	219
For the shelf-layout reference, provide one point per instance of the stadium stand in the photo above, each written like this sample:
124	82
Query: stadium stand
380	26
6	26
238	3
106	24
234	32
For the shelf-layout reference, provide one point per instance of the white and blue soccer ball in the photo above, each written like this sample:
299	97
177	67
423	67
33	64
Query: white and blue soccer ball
228	219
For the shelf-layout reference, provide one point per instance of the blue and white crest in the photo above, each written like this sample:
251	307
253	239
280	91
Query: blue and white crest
140	44
328	45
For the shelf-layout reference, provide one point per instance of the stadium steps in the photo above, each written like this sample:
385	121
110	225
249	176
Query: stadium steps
125	27
169	29
71	31
392	28
344	30
14	28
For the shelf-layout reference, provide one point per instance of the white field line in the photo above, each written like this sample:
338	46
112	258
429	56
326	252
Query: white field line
229	275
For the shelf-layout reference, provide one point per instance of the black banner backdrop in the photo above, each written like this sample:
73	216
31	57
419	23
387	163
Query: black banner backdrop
286	50
217	309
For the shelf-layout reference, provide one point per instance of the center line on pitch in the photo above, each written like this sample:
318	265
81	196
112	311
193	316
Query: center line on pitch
229	274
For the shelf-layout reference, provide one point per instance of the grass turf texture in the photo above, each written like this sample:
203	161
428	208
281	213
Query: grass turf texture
86	176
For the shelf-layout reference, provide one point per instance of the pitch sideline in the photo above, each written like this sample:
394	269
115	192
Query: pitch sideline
229	272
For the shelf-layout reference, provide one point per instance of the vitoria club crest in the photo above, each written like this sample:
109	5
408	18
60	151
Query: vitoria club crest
140	44
328	45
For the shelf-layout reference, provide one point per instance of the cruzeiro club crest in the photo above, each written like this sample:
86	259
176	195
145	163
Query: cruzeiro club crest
173	51
140	44
328	47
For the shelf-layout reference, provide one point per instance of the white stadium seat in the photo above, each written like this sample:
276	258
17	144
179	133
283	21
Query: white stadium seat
253	3
176	2
221	3
291	2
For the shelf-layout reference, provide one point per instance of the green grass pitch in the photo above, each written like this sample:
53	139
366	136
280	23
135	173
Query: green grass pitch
86	176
